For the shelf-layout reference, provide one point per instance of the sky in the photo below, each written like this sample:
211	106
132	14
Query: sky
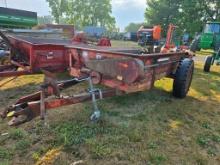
125	11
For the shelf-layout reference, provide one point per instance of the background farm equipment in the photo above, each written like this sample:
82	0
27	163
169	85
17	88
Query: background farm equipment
94	31
150	39
82	37
18	43
210	60
53	31
4	52
169	43
149	36
130	36
120	70
13	18
33	54
209	39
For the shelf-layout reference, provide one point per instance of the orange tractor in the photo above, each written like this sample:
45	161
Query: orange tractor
149	37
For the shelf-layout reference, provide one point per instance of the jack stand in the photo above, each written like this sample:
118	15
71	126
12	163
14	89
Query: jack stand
49	81
96	114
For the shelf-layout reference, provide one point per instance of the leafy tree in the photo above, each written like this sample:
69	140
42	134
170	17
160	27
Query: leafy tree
194	14
133	27
84	12
189	15
211	10
90	13
162	12
58	8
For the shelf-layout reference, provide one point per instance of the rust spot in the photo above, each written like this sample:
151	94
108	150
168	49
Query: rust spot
124	65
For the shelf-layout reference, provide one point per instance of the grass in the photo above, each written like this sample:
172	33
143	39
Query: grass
17	134
204	52
4	154
116	43
142	128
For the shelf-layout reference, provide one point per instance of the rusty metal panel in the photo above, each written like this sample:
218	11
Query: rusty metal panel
127	70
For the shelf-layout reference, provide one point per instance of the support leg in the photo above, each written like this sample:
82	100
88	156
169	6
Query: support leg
96	113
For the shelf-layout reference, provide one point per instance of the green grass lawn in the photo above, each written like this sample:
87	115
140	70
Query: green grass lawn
202	52
116	43
149	127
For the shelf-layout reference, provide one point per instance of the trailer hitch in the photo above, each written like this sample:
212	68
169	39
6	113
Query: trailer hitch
37	104
21	111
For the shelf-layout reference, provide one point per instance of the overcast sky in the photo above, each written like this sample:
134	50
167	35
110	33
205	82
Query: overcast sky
125	11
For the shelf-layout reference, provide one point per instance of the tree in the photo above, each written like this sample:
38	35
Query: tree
90	13
189	15
133	27
162	12
211	10
84	12
58	8
194	14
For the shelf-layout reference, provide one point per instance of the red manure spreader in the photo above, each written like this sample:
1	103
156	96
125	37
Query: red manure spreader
120	70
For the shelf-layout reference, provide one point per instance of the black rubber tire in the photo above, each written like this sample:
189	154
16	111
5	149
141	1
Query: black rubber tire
208	63
194	46
183	78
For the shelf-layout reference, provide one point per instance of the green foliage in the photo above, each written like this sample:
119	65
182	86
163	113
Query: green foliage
17	134
84	12
203	140
98	149
4	154
134	135
189	15
133	27
70	133
5	162
206	125
89	12
211	152
216	138
152	145
22	145
157	158
58	8
36	156
162	12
